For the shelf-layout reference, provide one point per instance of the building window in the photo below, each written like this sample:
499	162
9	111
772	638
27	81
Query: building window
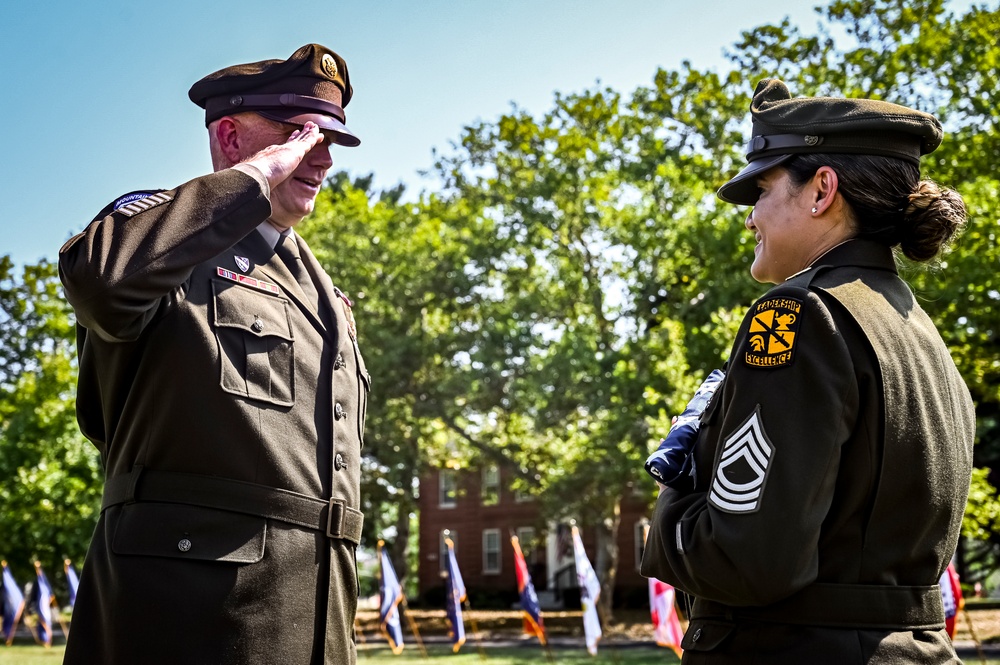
640	540
491	485
526	536
447	489
491	551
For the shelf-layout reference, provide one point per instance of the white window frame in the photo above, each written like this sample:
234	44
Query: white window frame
446	476
487	569
489	492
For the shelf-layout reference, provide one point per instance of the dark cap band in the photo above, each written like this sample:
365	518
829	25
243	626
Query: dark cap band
312	85
783	127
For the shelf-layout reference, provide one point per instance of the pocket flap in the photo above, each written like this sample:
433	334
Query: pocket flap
259	314
705	635
189	532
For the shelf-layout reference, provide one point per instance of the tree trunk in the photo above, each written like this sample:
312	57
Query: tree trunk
607	560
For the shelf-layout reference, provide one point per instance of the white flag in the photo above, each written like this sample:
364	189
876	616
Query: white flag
590	591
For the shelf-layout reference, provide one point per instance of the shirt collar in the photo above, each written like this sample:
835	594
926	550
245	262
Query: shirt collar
272	236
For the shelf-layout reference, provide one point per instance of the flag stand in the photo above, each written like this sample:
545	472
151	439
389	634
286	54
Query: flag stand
17	620
413	627
975	638
475	631
615	656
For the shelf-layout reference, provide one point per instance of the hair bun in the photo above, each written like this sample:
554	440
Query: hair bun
932	217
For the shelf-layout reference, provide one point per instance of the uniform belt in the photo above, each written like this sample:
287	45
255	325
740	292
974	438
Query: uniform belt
328	516
860	606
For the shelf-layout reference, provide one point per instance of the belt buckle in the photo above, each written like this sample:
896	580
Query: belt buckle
339	522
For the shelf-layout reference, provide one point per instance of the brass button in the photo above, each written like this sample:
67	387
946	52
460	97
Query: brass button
696	636
257	325
338	411
184	545
338	462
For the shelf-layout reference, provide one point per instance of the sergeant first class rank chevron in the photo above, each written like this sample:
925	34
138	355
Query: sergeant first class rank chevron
771	337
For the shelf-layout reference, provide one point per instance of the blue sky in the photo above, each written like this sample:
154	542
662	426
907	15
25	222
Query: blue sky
95	94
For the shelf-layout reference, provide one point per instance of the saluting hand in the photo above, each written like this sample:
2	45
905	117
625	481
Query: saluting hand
278	162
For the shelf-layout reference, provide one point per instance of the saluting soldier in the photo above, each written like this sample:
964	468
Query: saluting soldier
832	464
222	382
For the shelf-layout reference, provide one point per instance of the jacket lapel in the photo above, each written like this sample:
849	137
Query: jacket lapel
265	262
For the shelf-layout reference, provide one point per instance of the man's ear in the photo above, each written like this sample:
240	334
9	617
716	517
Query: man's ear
824	186
228	137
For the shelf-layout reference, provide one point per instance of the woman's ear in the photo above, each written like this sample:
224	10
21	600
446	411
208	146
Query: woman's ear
824	185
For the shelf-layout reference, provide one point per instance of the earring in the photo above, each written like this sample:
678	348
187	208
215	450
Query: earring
815	211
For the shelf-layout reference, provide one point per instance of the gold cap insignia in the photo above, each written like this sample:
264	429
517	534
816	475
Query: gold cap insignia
329	65
773	331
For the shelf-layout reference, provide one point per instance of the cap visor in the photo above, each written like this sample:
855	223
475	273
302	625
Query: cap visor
742	189
332	128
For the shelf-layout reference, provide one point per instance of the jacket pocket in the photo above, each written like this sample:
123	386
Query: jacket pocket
706	635
179	531
256	351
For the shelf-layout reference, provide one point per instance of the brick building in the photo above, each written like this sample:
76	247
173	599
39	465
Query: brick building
480	512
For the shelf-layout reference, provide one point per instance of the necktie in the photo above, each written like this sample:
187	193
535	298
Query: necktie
288	251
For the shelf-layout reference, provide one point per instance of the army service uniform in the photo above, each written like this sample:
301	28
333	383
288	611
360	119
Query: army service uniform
229	413
833	468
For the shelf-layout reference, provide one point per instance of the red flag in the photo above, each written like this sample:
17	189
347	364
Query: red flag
533	624
951	597
666	624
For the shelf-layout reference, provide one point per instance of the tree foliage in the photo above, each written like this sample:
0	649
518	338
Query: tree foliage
51	494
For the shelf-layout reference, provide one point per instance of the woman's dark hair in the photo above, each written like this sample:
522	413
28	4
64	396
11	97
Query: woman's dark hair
889	201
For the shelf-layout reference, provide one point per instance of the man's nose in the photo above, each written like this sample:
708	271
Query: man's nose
320	156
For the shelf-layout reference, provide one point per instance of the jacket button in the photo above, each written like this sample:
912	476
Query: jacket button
338	411
338	462
696	636
184	545
257	325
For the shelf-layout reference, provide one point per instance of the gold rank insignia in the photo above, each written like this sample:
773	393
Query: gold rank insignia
773	331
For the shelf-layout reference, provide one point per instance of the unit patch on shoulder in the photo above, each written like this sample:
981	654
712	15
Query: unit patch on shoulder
137	202
742	468
773	331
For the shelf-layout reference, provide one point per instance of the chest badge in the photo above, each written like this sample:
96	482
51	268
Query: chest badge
352	327
243	263
773	333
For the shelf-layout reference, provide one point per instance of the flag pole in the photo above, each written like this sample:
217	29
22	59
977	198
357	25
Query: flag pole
413	626
975	638
475	630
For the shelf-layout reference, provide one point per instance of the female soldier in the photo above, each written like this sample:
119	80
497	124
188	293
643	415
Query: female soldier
832	465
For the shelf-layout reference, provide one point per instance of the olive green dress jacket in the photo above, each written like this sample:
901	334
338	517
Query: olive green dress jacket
833	468
229	415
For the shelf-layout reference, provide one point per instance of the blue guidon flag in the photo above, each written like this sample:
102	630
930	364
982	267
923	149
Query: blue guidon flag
533	624
454	597
72	580
13	604
390	596
44	599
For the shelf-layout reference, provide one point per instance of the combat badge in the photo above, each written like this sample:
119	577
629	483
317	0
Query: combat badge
742	468
772	334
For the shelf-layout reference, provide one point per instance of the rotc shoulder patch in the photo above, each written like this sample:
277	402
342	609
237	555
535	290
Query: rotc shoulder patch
773	332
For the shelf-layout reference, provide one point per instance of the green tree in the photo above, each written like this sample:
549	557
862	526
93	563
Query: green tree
50	498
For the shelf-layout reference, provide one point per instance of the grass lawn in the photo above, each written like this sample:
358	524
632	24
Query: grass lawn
440	654
437	654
